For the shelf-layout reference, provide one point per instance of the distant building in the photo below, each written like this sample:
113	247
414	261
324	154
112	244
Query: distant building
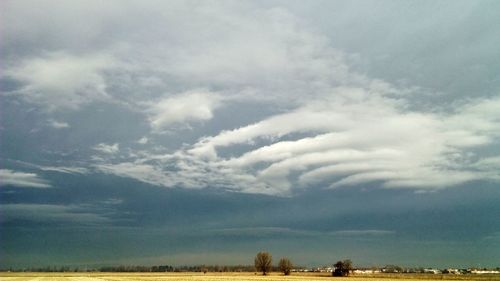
323	269
452	271
484	271
432	270
366	271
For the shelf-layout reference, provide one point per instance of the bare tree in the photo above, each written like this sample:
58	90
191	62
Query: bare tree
342	268
285	265
263	262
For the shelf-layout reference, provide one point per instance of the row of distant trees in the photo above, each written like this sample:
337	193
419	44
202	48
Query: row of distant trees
263	263
138	268
186	268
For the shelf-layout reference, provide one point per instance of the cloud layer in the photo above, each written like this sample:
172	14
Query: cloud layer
21	179
180	129
325	124
355	137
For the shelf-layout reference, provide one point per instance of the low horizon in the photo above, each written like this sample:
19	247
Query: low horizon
201	132
388	268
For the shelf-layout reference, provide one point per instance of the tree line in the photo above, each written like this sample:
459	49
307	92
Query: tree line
263	263
137	268
184	268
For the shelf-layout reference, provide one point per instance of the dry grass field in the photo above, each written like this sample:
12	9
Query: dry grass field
228	277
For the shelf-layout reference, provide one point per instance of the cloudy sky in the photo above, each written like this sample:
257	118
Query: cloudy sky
190	132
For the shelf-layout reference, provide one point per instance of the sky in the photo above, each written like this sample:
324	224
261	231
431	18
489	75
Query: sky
202	132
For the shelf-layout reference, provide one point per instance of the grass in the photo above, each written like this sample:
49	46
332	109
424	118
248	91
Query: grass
249	276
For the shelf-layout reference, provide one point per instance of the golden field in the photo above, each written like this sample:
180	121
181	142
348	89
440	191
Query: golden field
35	276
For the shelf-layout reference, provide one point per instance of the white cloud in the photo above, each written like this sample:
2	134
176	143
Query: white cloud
249	52
363	143
141	172
371	139
263	48
186	107
60	169
66	170
107	148
57	124
143	140
183	170
21	179
61	81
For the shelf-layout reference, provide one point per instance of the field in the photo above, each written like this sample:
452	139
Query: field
229	277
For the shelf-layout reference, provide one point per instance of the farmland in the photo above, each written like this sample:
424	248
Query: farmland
229	277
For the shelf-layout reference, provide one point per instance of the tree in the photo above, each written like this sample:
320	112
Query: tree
263	262
285	265
342	268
